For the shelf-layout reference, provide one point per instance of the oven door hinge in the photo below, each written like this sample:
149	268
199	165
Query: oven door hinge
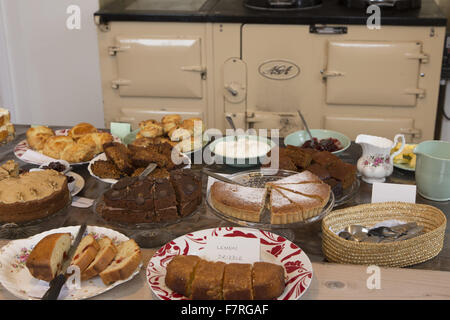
112	51
413	132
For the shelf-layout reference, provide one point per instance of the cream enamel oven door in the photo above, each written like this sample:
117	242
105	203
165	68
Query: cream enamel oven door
373	73
158	67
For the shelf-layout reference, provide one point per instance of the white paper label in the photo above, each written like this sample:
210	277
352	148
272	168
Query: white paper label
386	192
232	250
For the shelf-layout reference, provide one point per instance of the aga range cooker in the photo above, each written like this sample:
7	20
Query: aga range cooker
260	61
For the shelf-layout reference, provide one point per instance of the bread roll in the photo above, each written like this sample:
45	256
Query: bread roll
81	129
46	258
96	139
55	145
77	152
37	136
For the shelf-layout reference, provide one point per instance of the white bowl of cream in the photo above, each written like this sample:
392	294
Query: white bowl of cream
241	151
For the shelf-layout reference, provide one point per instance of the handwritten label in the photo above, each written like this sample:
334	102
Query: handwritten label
385	192
232	250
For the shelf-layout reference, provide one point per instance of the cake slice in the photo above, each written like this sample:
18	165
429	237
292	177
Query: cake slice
302	177
319	191
85	253
47	256
283	210
242	202
180	273
237	282
126	261
268	280
310	206
103	258
207	283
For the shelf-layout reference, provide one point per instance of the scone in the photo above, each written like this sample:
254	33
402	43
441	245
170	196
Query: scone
46	258
103	258
55	145
152	130
80	130
179	133
127	259
195	125
96	139
77	152
85	253
37	136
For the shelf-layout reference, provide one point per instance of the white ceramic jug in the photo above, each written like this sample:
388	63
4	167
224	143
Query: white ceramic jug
376	162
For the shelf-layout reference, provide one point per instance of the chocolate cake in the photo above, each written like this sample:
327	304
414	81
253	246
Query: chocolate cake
188	190
165	201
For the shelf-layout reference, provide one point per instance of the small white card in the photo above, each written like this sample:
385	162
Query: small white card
386	192
232	250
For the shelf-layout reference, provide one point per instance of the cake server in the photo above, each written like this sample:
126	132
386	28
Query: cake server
220	177
306	127
57	283
147	171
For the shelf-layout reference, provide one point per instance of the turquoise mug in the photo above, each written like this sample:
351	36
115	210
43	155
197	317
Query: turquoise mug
433	170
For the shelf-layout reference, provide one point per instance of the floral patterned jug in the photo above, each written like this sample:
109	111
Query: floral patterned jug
376	162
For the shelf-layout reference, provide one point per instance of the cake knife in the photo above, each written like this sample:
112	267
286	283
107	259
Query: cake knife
57	283
152	166
220	177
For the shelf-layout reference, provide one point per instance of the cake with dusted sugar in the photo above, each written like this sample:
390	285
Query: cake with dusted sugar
32	195
150	200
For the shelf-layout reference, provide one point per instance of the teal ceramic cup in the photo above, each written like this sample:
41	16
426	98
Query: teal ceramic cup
433	170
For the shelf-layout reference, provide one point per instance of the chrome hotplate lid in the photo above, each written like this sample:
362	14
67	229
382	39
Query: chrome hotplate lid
281	5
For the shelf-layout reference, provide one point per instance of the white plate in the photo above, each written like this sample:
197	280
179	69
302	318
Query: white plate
76	186
274	249
23	146
16	278
102	156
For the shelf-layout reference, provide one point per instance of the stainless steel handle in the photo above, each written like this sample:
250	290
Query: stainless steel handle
327	30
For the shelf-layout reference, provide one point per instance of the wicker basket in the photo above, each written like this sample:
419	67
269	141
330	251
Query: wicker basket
391	254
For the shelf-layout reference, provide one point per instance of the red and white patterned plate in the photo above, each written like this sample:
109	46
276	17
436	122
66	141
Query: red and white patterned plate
23	146
274	249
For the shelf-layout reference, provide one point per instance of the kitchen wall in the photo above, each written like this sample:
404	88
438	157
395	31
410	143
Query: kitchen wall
53	75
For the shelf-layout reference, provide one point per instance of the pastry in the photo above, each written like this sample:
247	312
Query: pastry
7	130
96	139
76	152
208	279
237	282
125	262
79	130
303	207
180	273
46	258
320	191
54	146
105	169
104	257
303	177
37	136
32	195
241	202
282	209
119	154
85	253
9	169
268	280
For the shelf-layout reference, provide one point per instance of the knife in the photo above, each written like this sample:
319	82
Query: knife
57	283
220	177
306	127
147	171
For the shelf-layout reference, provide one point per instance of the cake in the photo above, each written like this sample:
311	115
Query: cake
208	279
7	131
291	199
344	172
301	158
119	154
46	258
241	202
237	282
200	279
325	158
180	273
32	195
268	280
319	171
105	255
85	252
125	262
137	200
9	169
105	169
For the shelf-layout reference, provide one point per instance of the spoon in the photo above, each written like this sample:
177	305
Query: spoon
231	122
306	127
220	177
